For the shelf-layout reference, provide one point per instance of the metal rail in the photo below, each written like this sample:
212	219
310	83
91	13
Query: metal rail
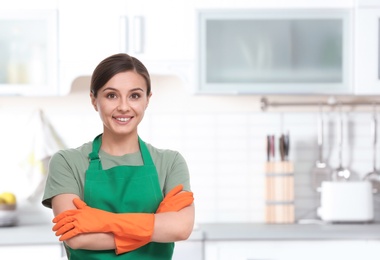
264	103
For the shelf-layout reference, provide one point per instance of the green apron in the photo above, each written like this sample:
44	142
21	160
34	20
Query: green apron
123	189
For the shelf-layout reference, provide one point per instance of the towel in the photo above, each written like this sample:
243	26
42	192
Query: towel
44	142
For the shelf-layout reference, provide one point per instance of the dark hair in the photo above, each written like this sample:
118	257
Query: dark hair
113	65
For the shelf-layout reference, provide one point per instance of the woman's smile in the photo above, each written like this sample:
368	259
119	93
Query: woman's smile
123	119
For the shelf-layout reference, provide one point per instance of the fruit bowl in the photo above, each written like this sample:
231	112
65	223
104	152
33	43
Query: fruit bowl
8	213
7	207
8	218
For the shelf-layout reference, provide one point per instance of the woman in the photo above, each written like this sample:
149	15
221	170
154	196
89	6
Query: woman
107	195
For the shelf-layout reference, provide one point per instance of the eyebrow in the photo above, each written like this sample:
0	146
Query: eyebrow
114	89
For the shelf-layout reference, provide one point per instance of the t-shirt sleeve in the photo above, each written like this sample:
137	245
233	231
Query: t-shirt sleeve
178	174
61	179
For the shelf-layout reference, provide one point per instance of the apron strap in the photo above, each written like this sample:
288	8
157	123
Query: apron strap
145	154
93	157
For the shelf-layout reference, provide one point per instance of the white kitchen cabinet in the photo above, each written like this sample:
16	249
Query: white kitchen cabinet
166	33
26	252
162	35
291	250
234	60
367	59
275	51
188	250
159	33
28	39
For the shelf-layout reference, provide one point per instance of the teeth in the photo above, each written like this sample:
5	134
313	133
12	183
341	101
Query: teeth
123	119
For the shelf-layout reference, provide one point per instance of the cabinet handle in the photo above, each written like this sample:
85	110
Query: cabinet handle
138	34
124	34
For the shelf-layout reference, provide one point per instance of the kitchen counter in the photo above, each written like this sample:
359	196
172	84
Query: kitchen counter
38	234
256	231
42	234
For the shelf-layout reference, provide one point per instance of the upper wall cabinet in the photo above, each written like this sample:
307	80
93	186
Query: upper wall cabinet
275	51
161	36
163	32
29	52
367	53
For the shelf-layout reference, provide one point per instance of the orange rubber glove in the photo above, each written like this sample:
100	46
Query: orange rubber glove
126	244
173	201
176	200
84	219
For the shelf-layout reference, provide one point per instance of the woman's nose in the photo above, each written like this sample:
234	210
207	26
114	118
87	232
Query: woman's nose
123	105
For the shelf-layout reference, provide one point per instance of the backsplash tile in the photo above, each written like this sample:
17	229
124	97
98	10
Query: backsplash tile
226	155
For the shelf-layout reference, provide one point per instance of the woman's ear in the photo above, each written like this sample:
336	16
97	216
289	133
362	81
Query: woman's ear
93	101
150	94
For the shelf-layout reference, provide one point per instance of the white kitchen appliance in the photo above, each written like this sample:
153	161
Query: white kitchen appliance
349	201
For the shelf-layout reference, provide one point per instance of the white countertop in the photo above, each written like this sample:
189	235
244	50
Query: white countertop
42	233
38	234
256	231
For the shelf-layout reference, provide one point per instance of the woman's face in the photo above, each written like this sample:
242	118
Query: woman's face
121	103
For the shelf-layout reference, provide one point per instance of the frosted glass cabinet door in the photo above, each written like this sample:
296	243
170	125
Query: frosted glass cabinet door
274	51
28	51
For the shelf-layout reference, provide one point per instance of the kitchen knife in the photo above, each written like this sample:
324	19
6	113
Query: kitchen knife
286	146
268	148
281	144
272	148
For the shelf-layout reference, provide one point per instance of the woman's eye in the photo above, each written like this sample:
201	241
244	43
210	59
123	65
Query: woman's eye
111	95
135	96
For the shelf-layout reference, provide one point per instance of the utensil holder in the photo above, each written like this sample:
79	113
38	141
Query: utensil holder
279	193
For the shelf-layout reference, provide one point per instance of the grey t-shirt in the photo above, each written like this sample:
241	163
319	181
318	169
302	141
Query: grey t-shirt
67	169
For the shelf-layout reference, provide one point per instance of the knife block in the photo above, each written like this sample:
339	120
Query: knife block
279	192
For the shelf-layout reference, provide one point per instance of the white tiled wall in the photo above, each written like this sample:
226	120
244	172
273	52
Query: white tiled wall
226	155
222	139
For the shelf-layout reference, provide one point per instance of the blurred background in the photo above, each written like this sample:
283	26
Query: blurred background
226	75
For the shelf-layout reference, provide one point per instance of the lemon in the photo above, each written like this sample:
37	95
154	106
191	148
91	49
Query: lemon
7	198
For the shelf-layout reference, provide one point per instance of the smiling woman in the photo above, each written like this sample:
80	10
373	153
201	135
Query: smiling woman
118	194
